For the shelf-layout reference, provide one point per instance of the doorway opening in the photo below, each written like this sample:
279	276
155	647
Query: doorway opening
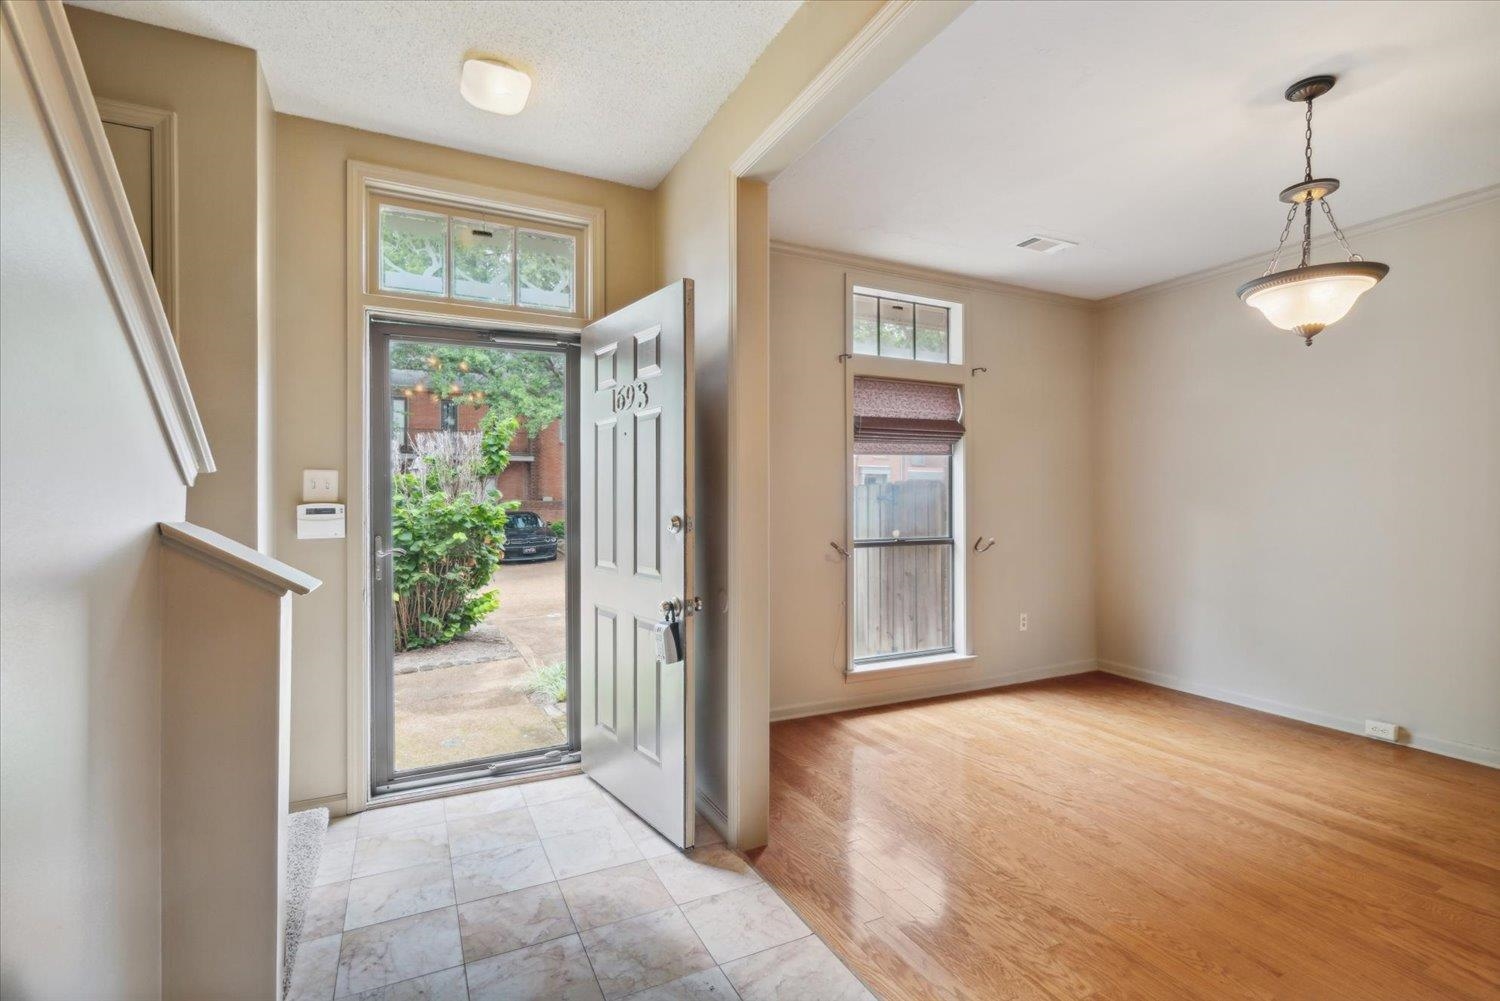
473	575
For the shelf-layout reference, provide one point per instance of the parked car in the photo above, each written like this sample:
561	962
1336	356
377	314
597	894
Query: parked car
528	539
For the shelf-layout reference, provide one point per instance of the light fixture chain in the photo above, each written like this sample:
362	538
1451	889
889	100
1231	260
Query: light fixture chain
1307	150
1307	179
1306	232
1343	242
1285	232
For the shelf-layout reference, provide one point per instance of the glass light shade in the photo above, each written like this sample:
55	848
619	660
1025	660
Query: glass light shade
1309	299
490	85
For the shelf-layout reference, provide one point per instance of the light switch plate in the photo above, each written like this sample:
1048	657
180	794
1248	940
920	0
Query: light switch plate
320	484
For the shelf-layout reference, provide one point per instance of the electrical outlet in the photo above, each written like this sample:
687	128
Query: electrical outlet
320	485
1381	730
1025	621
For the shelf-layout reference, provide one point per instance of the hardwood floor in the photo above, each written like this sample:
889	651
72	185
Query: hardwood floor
1092	837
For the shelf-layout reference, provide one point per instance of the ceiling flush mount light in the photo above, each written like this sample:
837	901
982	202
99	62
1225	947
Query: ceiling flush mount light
1310	297
491	85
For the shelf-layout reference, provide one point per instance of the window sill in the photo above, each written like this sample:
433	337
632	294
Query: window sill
910	665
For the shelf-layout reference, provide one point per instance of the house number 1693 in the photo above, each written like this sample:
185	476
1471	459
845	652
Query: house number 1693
634	395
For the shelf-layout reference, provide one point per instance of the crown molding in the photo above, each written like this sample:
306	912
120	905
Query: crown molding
957	281
946	278
1255	261
50	61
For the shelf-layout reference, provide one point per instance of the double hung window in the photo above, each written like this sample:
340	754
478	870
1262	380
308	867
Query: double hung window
903	516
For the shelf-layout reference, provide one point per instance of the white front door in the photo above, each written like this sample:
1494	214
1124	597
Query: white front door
636	570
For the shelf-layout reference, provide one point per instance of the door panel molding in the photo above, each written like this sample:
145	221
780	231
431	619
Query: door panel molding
637	737
161	242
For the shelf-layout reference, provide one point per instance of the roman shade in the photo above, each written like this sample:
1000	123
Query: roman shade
896	417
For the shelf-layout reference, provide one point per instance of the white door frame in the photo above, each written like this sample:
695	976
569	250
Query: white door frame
361	307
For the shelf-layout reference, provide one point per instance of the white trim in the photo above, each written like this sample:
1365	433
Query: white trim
916	692
917	293
958	281
921	664
373	179
337	806
1253	263
51	63
1477	753
948	280
237	559
960	482
361	305
163	128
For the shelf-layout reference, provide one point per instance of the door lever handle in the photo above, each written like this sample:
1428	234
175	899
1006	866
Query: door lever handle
381	554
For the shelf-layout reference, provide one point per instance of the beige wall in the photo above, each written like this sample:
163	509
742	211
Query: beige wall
1313	531
697	224
85	474
311	366
216	91
1028	458
225	708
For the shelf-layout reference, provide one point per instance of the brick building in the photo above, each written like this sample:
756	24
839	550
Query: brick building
538	472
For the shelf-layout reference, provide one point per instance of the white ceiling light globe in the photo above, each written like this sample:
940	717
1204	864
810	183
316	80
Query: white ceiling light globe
1307	299
490	85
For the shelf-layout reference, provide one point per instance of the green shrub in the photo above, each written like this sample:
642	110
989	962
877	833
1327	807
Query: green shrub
551	681
452	545
495	433
559	529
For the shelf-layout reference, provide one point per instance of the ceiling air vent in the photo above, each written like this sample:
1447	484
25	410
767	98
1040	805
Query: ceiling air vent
1045	244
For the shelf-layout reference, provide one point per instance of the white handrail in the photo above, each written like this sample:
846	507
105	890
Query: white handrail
236	558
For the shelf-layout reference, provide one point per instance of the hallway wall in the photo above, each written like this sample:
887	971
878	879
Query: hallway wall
80	599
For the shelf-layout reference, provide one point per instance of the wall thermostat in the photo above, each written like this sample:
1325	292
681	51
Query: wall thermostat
320	521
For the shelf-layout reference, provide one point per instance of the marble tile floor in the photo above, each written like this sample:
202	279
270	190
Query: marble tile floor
551	890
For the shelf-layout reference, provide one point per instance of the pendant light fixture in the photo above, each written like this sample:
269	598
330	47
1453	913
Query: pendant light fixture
1310	297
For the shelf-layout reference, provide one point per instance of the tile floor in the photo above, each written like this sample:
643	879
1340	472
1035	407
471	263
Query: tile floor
542	891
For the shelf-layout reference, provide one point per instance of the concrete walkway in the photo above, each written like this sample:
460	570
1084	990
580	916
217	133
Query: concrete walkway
483	708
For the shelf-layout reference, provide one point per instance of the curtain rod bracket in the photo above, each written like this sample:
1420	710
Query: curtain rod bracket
976	371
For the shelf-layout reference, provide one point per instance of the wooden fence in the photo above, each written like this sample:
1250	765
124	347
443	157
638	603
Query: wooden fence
903	594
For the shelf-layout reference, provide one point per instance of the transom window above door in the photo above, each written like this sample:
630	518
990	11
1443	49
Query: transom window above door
895	326
475	258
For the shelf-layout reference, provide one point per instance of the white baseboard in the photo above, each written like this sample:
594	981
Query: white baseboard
886	698
1477	753
338	806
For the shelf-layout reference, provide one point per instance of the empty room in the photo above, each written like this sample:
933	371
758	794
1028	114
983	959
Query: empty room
794	500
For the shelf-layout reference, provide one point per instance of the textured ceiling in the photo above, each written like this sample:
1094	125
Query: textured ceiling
620	89
1154	134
